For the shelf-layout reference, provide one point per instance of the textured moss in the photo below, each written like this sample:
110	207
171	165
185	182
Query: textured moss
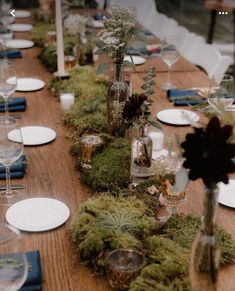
38	33
48	54
93	238
110	168
182	229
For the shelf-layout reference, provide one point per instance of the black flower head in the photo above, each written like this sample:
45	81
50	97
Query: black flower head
208	153
132	108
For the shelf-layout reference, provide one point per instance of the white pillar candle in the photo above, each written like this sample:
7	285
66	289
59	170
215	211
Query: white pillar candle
157	139
59	41
66	100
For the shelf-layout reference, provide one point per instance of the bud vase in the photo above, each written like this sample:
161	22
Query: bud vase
117	94
205	256
141	155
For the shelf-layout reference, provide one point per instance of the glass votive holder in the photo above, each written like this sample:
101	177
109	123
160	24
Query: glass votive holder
69	62
123	265
88	144
66	100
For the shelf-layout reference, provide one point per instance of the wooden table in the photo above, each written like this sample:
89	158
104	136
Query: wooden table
51	173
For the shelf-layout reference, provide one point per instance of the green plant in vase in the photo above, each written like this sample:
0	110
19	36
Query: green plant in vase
119	30
208	155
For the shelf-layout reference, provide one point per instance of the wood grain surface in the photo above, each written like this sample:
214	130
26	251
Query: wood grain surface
51	173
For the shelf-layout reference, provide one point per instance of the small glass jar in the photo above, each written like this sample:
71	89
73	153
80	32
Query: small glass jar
141	155
123	265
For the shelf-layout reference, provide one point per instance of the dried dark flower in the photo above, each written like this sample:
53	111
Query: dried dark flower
132	108
209	153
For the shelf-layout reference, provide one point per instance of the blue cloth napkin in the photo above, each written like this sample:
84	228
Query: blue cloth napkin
99	16
176	96
11	54
34	278
133	51
14	104
17	170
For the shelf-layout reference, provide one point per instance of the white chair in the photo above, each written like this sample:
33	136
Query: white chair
207	57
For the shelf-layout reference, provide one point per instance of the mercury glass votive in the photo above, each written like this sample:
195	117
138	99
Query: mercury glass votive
123	265
66	100
88	144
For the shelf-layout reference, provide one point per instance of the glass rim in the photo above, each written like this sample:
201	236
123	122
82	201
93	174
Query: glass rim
12	229
140	266
11	119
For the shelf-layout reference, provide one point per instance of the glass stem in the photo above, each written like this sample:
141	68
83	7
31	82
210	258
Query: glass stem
6	106
8	182
169	75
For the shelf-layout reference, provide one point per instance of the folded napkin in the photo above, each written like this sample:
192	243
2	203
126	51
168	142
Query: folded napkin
17	169
182	97
14	104
134	51
10	54
99	16
34	278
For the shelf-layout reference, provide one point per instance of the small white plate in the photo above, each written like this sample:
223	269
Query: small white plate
22	13
97	23
37	214
137	60
226	194
20	27
34	135
177	116
28	84
19	43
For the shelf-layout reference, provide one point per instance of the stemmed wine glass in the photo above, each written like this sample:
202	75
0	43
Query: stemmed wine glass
11	148
8	81
13	262
170	56
6	17
221	92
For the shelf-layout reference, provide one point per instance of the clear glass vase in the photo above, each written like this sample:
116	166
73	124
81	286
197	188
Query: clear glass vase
141	155
206	251
117	94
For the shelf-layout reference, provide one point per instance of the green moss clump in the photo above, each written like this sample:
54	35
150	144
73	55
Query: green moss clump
38	33
110	168
95	234
182	230
84	82
48	54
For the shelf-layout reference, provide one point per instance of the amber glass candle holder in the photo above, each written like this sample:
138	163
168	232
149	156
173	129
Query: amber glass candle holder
69	62
123	265
88	144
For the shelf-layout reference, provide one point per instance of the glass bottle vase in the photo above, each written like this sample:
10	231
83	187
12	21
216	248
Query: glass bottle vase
117	94
206	251
141	155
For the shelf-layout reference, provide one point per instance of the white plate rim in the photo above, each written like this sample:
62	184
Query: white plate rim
137	60
22	13
223	192
12	220
160	116
21	88
28	43
20	27
33	128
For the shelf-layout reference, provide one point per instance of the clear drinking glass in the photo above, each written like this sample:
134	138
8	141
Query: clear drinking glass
221	92
11	148
170	56
8	81
5	5
13	262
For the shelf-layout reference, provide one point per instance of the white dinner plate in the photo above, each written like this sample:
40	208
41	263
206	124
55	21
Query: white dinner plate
177	116
97	23
137	60
226	194
22	13
28	84
20	27
33	135
37	214
19	43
